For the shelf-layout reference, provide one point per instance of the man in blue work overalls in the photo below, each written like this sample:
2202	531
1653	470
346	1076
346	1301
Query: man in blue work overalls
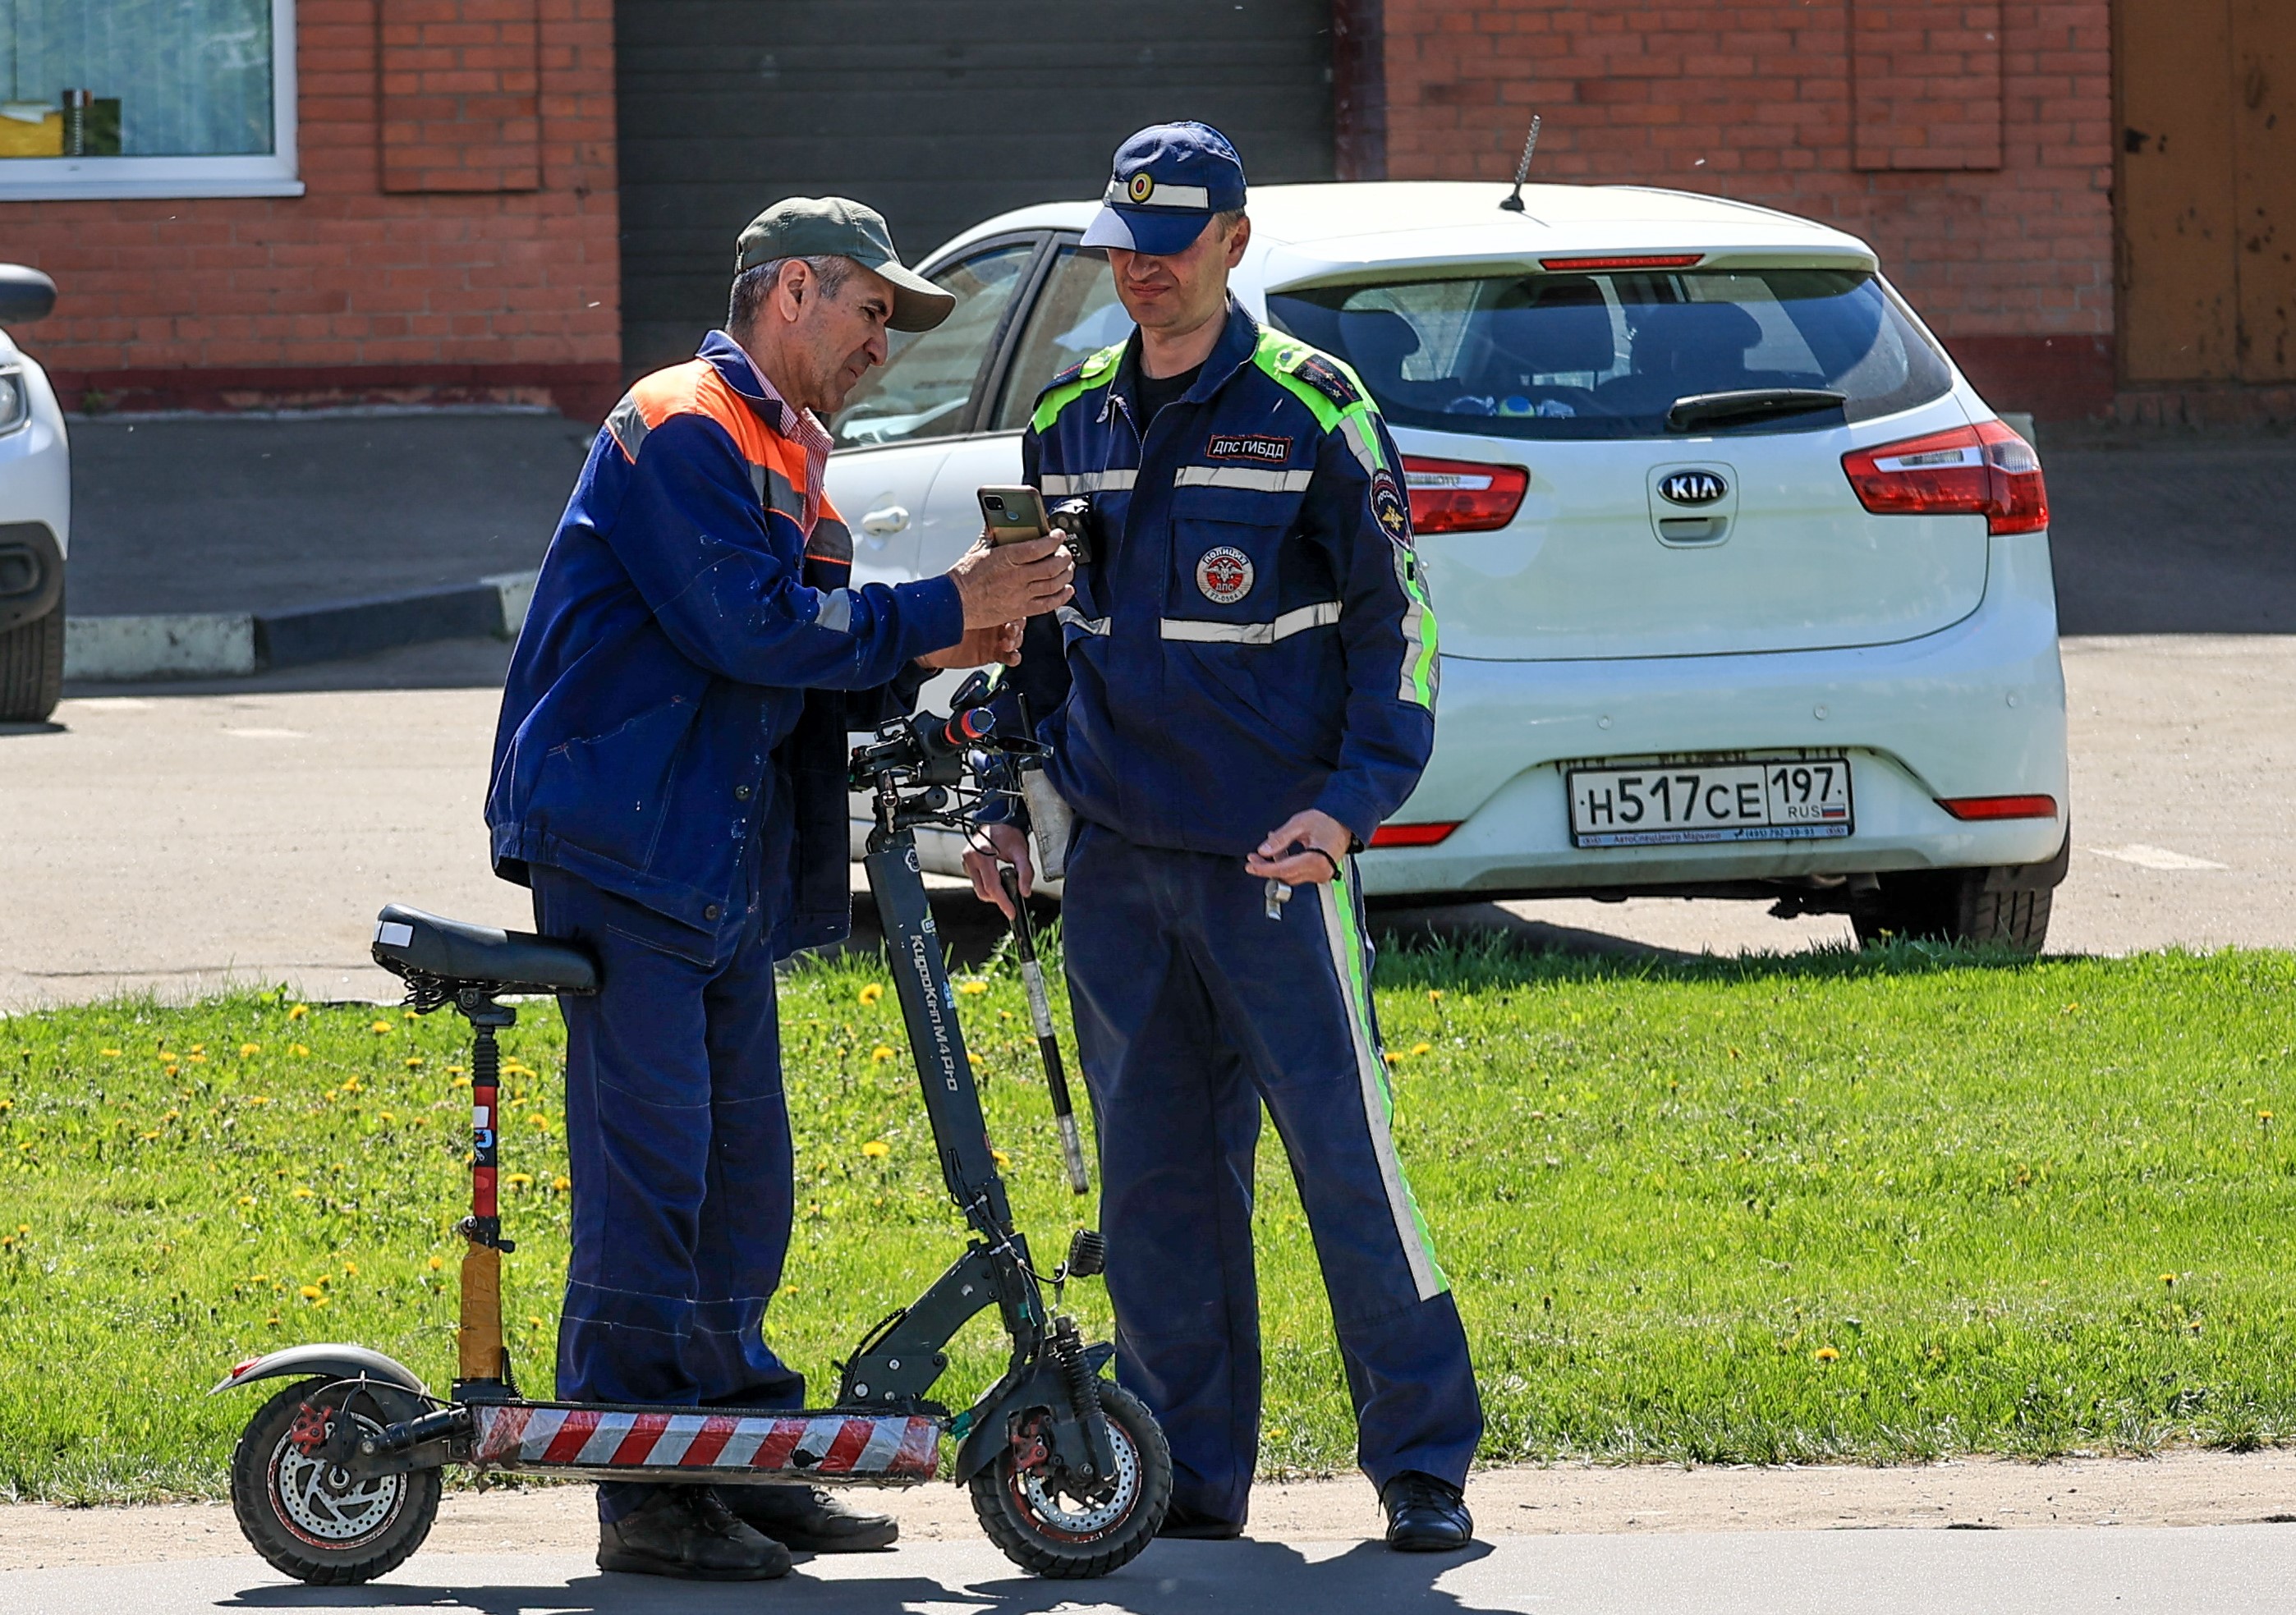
1242	689
669	778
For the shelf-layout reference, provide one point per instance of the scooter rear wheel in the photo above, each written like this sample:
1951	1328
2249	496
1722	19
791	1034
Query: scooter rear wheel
314	1522
1059	1537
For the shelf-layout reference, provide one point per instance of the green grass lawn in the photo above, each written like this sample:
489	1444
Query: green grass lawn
1833	1207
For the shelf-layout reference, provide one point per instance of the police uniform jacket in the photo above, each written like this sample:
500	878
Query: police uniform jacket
1251	637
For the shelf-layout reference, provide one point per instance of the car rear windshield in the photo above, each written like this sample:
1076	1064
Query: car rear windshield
1610	354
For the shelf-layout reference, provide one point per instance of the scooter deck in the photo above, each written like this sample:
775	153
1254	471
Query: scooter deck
826	1448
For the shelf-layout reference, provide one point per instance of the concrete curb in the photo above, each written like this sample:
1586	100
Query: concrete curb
227	644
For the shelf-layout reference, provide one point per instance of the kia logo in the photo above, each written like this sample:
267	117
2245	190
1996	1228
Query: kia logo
1692	486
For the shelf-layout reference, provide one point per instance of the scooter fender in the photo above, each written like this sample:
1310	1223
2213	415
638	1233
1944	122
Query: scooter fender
336	1362
991	1417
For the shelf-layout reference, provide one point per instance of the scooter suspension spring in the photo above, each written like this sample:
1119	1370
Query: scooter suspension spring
1083	1384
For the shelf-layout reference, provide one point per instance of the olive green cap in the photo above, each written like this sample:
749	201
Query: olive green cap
831	227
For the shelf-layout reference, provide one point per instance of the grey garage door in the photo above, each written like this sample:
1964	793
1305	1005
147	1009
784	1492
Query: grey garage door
936	113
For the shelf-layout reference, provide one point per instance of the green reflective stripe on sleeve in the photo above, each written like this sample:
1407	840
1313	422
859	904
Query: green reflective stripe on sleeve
1419	671
1098	372
1347	947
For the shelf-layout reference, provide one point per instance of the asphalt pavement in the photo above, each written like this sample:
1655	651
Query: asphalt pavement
2221	1569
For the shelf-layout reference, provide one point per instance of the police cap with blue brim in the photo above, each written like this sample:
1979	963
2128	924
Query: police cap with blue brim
831	227
1169	180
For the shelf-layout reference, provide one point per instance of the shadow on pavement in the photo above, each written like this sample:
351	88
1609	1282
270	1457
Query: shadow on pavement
1171	1578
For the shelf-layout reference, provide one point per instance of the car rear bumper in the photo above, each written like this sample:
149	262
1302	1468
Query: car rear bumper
1975	709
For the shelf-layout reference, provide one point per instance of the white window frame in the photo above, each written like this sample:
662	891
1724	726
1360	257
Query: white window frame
98	178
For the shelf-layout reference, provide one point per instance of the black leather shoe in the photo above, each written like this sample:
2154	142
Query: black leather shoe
684	1531
1186	1525
1425	1515
809	1519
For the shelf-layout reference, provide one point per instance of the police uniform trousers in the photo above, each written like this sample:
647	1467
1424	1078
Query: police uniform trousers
678	1141
1193	1009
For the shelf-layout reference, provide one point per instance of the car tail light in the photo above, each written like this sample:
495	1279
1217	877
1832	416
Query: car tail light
2000	807
1627	260
1461	496
1411	835
1985	470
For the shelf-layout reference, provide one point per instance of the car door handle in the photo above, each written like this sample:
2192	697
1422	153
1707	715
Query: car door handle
884	523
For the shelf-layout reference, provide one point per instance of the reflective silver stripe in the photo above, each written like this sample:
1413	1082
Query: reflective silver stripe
1160	195
1316	616
1069	617
1244	476
836	611
1090	482
1371	1082
628	427
1360	439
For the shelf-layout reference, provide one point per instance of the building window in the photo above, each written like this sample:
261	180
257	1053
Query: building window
170	98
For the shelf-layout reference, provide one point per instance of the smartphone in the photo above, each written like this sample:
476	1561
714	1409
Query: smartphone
1014	513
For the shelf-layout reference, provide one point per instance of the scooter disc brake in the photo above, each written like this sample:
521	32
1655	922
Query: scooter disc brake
1087	1519
321	1501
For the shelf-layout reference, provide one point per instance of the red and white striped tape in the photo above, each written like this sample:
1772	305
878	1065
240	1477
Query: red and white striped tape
890	1446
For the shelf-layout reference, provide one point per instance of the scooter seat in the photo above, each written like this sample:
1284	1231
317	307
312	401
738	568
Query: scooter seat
408	941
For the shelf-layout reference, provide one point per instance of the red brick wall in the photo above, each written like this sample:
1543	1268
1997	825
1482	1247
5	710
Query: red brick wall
353	293
461	95
1757	100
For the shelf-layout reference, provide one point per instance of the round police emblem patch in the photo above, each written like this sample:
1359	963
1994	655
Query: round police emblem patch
1224	575
1389	507
1142	187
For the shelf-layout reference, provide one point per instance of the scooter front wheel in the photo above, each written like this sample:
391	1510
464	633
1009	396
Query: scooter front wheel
1054	1535
309	1517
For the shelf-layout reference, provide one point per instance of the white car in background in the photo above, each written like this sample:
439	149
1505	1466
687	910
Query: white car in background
35	511
1744	592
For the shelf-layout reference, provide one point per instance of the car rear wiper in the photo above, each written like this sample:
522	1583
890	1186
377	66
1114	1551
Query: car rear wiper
1748	403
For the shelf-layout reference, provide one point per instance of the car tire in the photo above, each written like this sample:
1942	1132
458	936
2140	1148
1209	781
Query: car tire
32	667
1967	906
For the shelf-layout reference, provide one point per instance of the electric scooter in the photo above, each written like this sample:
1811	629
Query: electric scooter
337	1477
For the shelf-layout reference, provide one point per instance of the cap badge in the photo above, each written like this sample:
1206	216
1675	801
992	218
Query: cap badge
1224	575
1142	187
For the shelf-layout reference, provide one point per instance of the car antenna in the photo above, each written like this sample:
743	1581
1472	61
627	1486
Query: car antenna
1513	203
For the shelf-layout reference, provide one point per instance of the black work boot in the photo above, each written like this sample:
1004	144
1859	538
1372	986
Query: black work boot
1186	1525
1425	1515
809	1519
685	1531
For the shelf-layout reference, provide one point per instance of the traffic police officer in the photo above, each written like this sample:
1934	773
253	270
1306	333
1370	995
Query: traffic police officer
668	777
1244	688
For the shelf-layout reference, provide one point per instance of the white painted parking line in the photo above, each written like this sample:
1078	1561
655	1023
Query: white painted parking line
2153	858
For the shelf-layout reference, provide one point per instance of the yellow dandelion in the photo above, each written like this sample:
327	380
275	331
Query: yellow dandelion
972	989
271	1322
109	1054
974	1058
870	993
198	1048
1393	1058
436	1263
304	1191
453	1070
309	1292
532	1322
259	1099
350	1270
876	1149
415	1062
248	1050
880	1054
1002	1160
320	1302
352	1085
298	1013
1434	994
1826	1354
302	1051
460	1082
259	1278
247	1200
521	1180
380	1029
385	1117
147	1137
2169	1279
196	1058
2265	1117
1421	1048
562	1183
542	1122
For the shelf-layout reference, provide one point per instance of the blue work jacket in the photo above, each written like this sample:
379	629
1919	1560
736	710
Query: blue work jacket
673	729
1251	637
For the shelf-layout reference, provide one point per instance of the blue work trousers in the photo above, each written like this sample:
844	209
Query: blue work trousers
678	1141
1193	1008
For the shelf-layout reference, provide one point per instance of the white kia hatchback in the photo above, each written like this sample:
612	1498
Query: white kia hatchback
1744	592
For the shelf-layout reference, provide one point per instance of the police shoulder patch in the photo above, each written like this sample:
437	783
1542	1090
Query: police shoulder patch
1328	379
1066	376
1389	508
